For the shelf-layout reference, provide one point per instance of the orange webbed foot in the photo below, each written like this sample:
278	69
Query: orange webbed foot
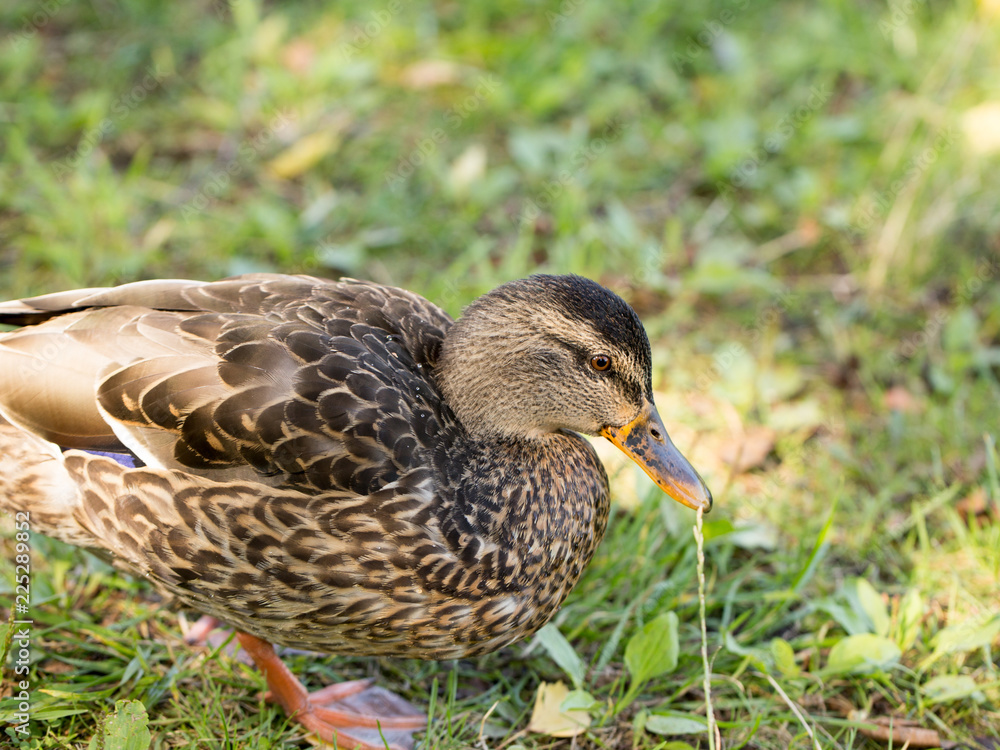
355	715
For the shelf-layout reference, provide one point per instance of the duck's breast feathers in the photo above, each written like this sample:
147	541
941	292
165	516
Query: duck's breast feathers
293	379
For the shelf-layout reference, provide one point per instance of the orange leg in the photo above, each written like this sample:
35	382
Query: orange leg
326	723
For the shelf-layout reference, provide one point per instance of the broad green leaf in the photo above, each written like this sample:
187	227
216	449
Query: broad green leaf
946	688
961	331
873	606
758	656
562	653
675	724
639	724
717	528
784	657
653	650
753	536
864	652
911	612
125	729
853	622
579	700
964	636
967	636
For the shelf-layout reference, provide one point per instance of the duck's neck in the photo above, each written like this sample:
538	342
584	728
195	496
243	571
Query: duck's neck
484	393
524	510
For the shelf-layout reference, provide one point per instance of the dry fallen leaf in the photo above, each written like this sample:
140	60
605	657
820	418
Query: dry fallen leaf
303	154
972	504
429	73
546	718
298	55
749	450
898	732
898	398
56	667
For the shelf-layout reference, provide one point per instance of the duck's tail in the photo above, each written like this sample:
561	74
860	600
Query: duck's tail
34	480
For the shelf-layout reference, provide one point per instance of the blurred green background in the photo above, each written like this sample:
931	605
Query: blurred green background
800	199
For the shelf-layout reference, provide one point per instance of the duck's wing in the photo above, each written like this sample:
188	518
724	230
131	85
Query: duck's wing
281	379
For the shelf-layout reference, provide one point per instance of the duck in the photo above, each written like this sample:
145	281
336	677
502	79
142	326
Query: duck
336	466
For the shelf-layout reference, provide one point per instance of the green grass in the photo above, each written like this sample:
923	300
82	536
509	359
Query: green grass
791	195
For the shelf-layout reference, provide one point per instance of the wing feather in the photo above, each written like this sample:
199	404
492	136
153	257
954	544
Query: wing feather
286	380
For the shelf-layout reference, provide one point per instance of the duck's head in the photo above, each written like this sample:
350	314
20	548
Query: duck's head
552	353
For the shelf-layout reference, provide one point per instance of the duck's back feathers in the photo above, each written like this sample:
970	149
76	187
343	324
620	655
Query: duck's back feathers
286	380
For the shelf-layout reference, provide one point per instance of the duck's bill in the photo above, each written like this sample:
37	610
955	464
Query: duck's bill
645	441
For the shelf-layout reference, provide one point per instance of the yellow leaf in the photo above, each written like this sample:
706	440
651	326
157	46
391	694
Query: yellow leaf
981	126
427	74
546	718
158	234
990	8
303	154
467	168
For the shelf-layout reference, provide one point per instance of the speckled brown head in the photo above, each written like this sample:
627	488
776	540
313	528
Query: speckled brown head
551	353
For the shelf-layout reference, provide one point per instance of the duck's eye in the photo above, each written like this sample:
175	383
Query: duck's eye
601	362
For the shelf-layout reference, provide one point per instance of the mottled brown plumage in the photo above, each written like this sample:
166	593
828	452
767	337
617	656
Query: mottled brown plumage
330	465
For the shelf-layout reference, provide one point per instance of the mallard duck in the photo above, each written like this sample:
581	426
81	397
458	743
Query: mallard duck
335	466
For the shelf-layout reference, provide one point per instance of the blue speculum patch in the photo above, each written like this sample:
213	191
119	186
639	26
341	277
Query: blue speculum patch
128	460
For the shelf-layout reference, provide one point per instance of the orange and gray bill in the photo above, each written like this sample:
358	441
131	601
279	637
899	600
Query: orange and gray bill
645	441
